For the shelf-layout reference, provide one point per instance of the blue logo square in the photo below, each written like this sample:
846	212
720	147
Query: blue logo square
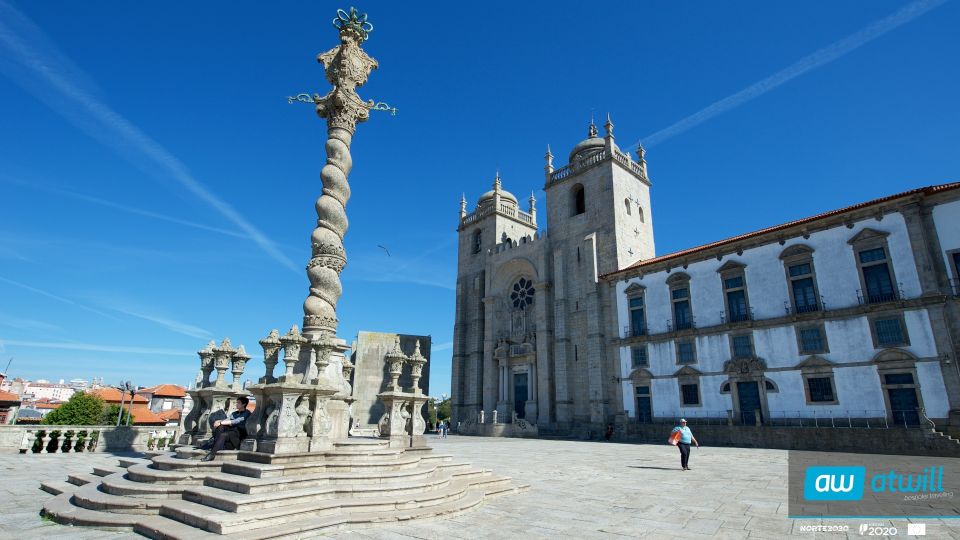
834	483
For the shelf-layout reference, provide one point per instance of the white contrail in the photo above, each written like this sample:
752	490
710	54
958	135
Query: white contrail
64	93
55	297
823	56
170	324
123	207
97	348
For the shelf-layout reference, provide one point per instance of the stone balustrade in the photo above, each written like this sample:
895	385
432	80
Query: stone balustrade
44	439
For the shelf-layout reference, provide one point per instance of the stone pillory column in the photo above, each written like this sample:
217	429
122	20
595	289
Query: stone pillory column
347	67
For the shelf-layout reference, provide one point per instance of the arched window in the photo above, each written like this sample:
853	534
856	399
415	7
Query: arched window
477	241
640	213
626	202
522	293
578	202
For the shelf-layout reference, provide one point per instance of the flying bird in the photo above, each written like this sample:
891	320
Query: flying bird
385	249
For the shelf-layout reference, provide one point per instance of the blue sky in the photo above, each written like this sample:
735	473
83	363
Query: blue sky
156	190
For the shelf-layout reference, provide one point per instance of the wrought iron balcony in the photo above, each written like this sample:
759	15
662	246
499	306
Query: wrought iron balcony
681	325
630	331
804	308
877	297
736	316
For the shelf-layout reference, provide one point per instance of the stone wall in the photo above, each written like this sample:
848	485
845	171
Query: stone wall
112	439
372	375
898	441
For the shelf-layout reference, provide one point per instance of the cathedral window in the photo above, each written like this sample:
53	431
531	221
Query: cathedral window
627	204
637	311
877	280
680	298
522	293
889	332
579	203
812	339
690	393
798	263
742	346
640	213
638	356
734	281
686	352
477	241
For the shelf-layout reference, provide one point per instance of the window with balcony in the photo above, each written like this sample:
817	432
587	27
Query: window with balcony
742	346
637	311
876	272
802	283
733	279
680	299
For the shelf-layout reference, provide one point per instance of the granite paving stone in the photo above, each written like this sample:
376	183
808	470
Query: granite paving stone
578	490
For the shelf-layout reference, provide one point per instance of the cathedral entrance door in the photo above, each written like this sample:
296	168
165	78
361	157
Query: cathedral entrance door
520	394
748	393
644	406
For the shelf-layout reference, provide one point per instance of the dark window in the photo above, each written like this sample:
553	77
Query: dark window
811	340
685	352
898	378
820	389
639	355
681	315
579	202
637	325
641	391
690	394
878	282
889	332
873	255
733	283
725	387
800	270
770	386
477	241
742	347
737	304
677	294
804	295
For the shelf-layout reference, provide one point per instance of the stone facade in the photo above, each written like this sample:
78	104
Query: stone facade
850	313
371	374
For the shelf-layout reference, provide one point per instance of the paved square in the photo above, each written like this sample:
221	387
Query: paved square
577	490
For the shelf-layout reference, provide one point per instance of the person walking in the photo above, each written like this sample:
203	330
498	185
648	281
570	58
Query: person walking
686	437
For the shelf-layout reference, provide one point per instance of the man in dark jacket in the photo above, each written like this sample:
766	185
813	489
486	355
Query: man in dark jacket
232	430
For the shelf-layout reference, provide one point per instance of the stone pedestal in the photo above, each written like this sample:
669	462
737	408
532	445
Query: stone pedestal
209	405
402	424
292	417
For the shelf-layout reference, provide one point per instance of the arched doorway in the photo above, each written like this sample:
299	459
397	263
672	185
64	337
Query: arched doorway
748	390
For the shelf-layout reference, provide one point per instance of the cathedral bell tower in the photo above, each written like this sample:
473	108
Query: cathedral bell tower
496	221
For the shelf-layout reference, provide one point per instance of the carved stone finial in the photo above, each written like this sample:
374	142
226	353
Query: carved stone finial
271	352
608	126
592	129
395	358
238	365
497	184
416	361
463	205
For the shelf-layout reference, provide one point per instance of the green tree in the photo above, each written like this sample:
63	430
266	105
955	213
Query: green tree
81	409
443	410
110	413
432	411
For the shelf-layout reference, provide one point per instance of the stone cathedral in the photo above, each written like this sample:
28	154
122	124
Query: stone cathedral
530	311
851	315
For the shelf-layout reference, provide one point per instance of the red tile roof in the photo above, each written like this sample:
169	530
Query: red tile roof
928	190
7	396
145	417
171	415
165	390
112	395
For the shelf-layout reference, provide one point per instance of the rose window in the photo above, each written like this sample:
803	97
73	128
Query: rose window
522	293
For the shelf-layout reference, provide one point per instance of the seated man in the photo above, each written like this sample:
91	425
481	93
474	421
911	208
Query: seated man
232	430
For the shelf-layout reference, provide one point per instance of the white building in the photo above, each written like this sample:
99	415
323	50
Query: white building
850	314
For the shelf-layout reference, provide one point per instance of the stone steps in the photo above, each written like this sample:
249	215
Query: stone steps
299	528
107	470
244	484
80	479
248	495
91	498
56	487
120	485
62	509
145	473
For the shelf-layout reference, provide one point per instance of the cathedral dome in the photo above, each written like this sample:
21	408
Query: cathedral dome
589	146
497	188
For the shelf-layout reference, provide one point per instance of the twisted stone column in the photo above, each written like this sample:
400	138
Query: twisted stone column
347	67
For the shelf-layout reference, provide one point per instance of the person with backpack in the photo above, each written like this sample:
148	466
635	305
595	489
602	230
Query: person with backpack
683	437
